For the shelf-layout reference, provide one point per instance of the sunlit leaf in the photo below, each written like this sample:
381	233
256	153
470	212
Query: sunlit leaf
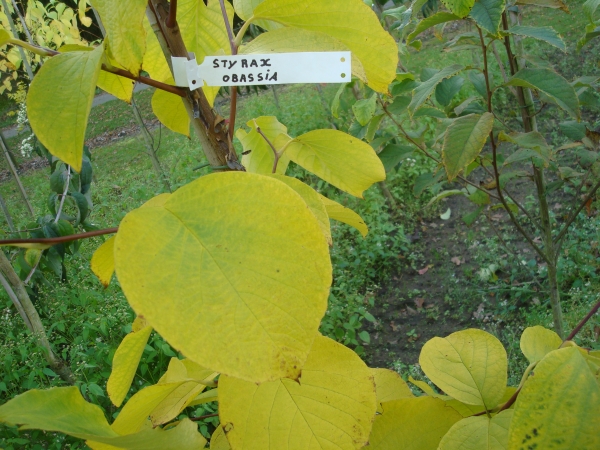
537	342
412	424
389	386
349	21
4	37
322	152
559	406
170	110
469	365
479	433
260	158
340	213
125	363
123	21
464	140
65	86
459	7
242	276
103	261
154	61
331	406
218	440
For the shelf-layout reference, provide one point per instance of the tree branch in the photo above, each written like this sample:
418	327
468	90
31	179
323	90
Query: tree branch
61	239
172	17
566	226
581	324
233	89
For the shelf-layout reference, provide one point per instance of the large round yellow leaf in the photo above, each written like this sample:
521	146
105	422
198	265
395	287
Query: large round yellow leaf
232	270
349	21
60	100
412	424
468	365
331	406
537	342
558	407
479	433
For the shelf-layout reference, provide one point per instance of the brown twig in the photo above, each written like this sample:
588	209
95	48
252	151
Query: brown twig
565	228
234	49
581	324
196	419
172	17
61	239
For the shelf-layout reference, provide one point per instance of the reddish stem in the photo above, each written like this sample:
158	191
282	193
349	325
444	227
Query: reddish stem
61	239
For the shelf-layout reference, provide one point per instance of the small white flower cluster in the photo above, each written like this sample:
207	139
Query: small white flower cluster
27	143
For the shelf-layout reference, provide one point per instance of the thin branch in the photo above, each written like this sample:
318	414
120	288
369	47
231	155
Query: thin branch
277	154
172	17
64	195
61	239
33	269
566	226
581	324
196	419
234	49
13	297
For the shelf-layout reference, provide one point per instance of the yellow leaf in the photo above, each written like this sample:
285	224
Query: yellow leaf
412	424
244	9
314	203
468	410
154	61
204	33
390	386
4	37
479	433
559	405
125	363
261	157
120	87
197	372
139	324
537	342
206	397
428	390
469	365
340	213
349	21
59	103
162	402
186	370
123	21
338	158
170	110
103	261
298	40
218	440
332	405
204	266
184	436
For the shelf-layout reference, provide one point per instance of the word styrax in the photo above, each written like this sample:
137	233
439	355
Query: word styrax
245	64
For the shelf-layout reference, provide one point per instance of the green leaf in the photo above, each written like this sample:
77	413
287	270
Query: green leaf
332	406
322	152
392	154
469	365
551	84
399	105
431	21
443	195
554	4
261	157
59	103
537	342
559	405
546	34
125	363
463	141
424	90
242	274
61	409
427	111
340	213
591	32
412	423
335	104
123	21
573	130
459	7
481	433
478	80
471	217
349	21
488	14
294	39
365	109
170	110
447	89
589	8
204	33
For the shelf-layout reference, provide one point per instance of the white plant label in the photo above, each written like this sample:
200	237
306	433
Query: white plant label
273	68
